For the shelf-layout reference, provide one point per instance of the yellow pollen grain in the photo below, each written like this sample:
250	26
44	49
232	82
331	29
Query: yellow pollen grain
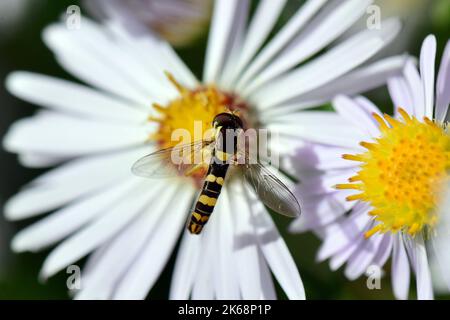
402	175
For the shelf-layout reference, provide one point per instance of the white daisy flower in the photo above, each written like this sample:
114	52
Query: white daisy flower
398	166
178	21
129	226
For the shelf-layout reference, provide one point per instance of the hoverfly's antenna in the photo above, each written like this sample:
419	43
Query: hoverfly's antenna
228	110
236	112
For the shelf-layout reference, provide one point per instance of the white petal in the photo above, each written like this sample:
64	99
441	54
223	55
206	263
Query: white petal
410	250
400	94
222	24
326	27
186	264
321	210
39	160
415	86
314	156
94	58
400	269
298	21
360	260
218	278
327	67
118	163
65	96
228	288
92	261
441	260
67	220
123	251
353	113
423	276
142	275
155	55
345	232
313	118
442	85
70	181
65	136
357	81
313	187
339	259
275	251
427	72
385	251
205	285
261	25
102	230
367	105
267	286
211	261
245	252
337	135
345	253
319	184
235	44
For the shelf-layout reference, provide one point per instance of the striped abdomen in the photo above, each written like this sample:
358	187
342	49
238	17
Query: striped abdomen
212	186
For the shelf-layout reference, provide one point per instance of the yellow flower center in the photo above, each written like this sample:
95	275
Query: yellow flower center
194	112
402	174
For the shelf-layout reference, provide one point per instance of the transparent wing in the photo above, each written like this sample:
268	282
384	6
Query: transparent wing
271	191
176	161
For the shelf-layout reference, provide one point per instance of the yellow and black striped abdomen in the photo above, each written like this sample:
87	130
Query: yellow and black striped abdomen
206	202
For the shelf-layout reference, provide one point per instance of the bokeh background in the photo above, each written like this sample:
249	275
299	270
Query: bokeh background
21	48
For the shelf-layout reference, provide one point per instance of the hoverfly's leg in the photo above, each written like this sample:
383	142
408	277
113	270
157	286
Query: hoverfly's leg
202	165
237	160
196	168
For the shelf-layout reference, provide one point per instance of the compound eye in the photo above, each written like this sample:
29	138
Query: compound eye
223	119
238	122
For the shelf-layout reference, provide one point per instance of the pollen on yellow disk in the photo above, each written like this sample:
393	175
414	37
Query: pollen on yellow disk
188	118
191	108
402	174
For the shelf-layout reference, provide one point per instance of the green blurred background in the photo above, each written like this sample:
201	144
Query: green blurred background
21	48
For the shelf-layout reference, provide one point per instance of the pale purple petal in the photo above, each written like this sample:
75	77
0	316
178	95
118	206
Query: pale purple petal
427	72
345	232
353	113
384	251
415	84
423	275
400	94
358	263
400	269
443	86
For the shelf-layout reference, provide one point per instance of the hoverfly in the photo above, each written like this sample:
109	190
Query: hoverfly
271	191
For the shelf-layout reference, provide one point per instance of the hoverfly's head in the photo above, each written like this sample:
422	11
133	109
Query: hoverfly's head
227	121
